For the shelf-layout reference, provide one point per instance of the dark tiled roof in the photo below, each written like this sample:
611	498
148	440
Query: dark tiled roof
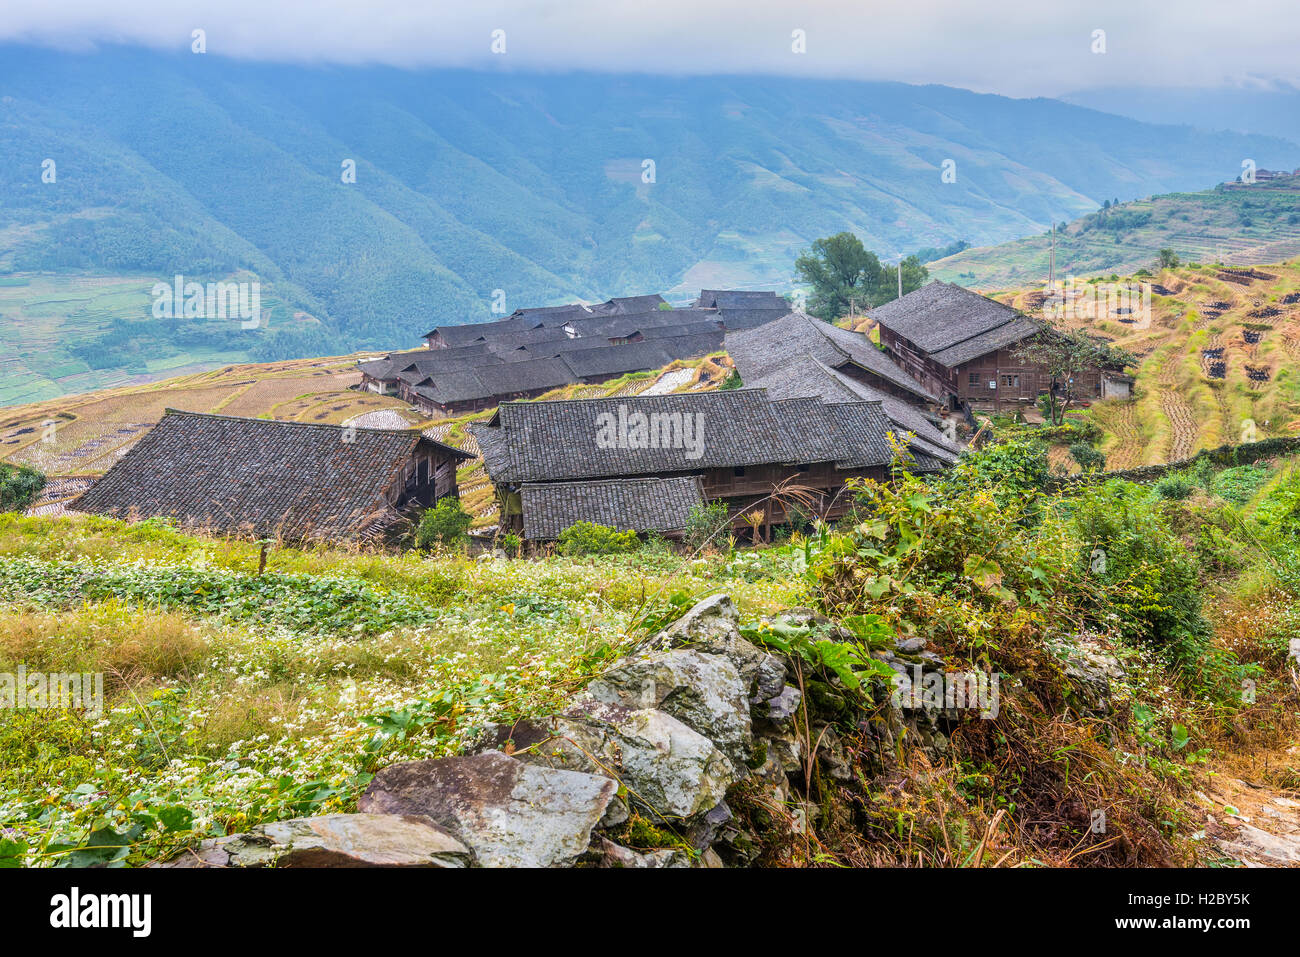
757	352
737	318
705	327
740	299
502	378
941	316
1017	330
649	435
628	305
259	476
804	376
614	360
642	505
623	325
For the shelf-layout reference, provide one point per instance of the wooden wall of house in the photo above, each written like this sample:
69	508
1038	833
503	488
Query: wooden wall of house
867	377
915	362
1001	380
428	476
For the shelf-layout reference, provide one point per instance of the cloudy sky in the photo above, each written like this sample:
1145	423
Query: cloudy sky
1014	47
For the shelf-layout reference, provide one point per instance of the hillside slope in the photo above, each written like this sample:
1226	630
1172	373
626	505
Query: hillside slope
1232	224
533	185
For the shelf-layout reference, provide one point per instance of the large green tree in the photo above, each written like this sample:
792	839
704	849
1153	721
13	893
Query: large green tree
845	276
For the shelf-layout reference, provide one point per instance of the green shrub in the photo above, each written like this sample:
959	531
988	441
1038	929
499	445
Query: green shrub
1089	459
19	486
1007	469
589	538
703	522
512	544
1174	487
1154	587
445	525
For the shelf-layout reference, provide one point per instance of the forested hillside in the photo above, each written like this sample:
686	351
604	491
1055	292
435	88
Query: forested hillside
538	186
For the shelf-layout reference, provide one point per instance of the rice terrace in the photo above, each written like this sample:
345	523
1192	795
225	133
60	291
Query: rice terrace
505	454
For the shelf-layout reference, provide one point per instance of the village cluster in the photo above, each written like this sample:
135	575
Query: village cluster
816	405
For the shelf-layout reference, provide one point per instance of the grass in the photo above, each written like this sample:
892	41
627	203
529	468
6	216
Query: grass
244	698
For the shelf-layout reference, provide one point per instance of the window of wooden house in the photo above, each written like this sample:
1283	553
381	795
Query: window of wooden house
803	466
1011	382
738	471
974	380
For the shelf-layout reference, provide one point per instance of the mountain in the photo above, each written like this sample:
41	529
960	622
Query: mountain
1270	109
1235	224
471	187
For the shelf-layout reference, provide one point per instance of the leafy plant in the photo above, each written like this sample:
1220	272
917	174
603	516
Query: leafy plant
590	538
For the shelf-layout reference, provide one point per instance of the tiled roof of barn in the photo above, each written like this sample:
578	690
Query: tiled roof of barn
739	318
739	299
941	316
642	505
703	327
804	376
622	325
579	439
502	378
757	352
629	305
258	476
469	332
614	360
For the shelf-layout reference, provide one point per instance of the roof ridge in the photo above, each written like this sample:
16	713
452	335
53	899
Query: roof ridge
168	410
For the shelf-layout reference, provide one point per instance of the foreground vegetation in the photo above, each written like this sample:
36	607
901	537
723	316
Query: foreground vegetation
234	697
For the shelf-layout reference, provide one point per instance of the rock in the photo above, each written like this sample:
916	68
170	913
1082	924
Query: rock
832	755
1256	847
711	859
713	627
702	691
511	814
910	646
1090	673
605	853
784	706
704	831
667	768
334	840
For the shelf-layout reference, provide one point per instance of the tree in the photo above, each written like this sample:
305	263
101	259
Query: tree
1168	258
847	277
842	273
1066	356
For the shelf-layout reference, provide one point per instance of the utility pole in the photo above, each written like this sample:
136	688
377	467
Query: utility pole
1051	264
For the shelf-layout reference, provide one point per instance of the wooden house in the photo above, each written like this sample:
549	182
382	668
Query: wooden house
738	445
264	478
965	347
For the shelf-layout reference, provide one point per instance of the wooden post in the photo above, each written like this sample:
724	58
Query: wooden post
261	560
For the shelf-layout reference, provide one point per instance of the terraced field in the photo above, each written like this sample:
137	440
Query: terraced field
50	324
1218	362
1232	225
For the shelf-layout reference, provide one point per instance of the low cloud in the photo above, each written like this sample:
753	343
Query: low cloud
1021	48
